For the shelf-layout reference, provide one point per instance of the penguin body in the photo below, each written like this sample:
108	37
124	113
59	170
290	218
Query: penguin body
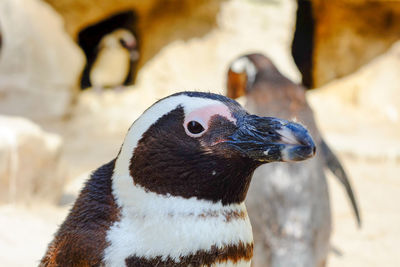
174	196
288	203
112	65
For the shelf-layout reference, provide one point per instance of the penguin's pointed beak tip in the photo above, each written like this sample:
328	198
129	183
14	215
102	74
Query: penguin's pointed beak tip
267	139
297	142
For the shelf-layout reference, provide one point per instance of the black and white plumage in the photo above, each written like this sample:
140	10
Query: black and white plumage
288	203
174	196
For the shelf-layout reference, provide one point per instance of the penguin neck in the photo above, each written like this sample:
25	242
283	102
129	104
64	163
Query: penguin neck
176	230
141	201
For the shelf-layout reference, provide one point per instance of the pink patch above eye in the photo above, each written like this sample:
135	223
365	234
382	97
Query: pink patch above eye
203	116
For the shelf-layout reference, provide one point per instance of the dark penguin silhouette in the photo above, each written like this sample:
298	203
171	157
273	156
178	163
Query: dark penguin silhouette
1	40
174	196
288	203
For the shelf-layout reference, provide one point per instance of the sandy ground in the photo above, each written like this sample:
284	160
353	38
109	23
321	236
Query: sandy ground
376	243
26	230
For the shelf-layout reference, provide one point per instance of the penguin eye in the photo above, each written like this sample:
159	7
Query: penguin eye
194	127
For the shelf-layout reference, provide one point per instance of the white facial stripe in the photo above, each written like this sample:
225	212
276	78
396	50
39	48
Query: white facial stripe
148	229
244	64
148	118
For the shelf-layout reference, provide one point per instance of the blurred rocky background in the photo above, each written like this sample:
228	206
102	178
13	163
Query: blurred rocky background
55	127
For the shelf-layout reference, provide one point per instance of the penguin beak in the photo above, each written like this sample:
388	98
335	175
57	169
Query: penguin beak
128	44
267	139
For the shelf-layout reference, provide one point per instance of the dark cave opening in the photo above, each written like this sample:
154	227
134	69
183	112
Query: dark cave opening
1	38
90	37
303	41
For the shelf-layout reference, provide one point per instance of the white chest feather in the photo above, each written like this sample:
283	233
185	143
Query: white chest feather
110	68
152	225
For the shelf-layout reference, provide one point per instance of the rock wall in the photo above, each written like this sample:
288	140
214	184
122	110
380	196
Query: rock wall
29	162
375	88
39	62
220	29
360	113
201	63
158	22
78	14
349	33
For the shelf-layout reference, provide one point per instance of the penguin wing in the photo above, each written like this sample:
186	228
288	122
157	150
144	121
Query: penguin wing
81	239
334	165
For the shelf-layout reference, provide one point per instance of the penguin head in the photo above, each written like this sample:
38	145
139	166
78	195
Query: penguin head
266	88
246	70
206	146
118	38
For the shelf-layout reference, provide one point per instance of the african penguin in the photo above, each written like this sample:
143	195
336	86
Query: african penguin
288	203
174	195
115	53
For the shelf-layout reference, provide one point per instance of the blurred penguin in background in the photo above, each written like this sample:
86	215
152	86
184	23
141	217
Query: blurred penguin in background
288	204
115	53
1	40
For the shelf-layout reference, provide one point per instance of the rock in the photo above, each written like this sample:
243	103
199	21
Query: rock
29	162
361	112
201	63
155	22
26	232
184	45
97	127
189	43
350	33
80	14
374	88
39	63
